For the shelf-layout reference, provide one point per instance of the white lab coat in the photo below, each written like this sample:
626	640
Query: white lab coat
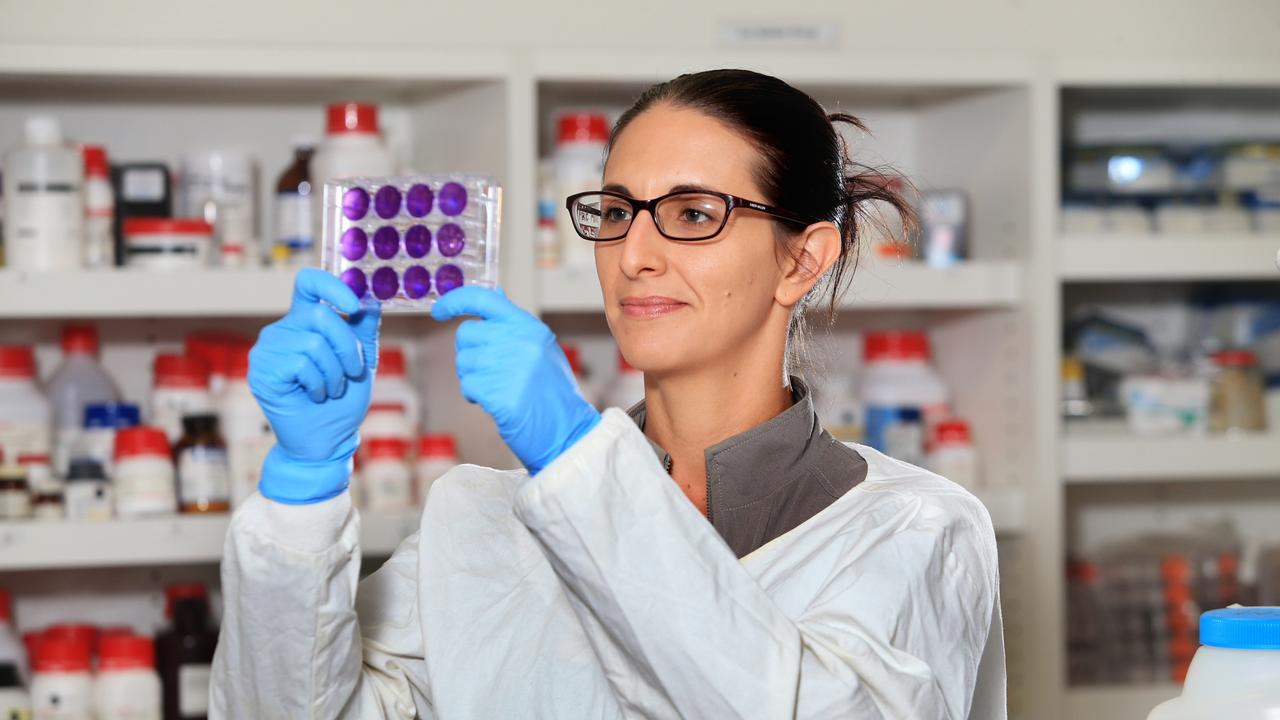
596	590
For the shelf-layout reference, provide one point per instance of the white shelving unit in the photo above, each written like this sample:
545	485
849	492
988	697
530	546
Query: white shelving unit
1157	258
1120	458
130	293
178	540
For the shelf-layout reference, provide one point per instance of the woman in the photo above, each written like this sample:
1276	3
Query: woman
712	554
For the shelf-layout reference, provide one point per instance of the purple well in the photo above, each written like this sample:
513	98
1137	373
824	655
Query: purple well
386	242
417	241
355	279
418	200
354	243
448	277
355	203
417	281
386	202
385	283
450	239
453	199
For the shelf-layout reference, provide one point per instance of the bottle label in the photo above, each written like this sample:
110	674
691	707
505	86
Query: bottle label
193	690
388	486
14	504
17	438
44	227
896	431
293	223
143	185
88	501
203	475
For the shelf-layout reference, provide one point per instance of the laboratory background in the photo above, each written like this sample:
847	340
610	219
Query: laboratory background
1091	297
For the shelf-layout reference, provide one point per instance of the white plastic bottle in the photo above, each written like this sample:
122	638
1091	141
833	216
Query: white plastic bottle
11	648
579	167
61	686
77	383
1235	673
245	428
352	147
385	476
181	388
44	200
220	187
25	417
127	686
902	394
437	455
99	210
627	388
392	385
145	479
386	419
952	454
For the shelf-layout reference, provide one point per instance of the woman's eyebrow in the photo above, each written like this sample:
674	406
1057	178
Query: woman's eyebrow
690	188
615	187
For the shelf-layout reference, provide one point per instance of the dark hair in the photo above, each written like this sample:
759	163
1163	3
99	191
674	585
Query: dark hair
804	165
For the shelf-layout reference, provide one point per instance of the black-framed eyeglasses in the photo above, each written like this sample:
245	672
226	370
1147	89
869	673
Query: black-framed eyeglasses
684	215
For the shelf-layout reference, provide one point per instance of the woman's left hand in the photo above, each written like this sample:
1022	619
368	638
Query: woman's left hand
511	365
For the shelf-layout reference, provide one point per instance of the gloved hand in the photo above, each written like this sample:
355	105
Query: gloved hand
511	365
312	372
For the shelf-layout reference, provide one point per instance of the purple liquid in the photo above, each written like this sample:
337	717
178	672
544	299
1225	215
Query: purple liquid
386	241
418	200
417	281
453	199
355	203
355	280
417	241
448	277
450	239
354	243
385	283
386	202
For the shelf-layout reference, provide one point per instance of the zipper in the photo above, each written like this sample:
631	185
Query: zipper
708	494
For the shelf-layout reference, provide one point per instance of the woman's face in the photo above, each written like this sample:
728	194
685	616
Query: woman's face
673	305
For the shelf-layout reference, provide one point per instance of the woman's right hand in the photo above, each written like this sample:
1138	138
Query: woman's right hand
312	372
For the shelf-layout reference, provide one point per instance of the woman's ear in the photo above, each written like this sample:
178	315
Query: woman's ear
807	260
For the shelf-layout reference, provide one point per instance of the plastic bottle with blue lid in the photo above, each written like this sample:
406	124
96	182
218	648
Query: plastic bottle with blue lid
1235	673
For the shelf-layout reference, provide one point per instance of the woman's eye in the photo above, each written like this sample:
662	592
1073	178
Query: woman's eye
616	214
694	217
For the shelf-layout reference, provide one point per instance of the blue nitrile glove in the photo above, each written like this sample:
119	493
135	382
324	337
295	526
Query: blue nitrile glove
511	365
312	373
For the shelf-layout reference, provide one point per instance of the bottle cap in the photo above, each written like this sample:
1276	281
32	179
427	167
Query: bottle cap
17	361
396	407
85	469
141	440
61	654
166	226
896	345
77	632
80	339
1242	628
390	361
112	415
30	458
215	348
183	591
95	161
1235	358
43	130
437	445
573	356
200	424
623	365
173	370
6	606
386	447
126	652
952	432
582	127
352	118
238	362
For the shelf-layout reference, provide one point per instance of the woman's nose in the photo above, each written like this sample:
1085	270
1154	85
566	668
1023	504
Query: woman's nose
643	247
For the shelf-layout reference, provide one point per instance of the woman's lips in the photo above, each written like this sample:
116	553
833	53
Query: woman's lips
651	306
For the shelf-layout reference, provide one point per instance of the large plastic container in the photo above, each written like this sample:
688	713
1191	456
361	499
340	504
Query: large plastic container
579	166
80	381
902	393
1235	673
392	385
43	200
25	417
352	147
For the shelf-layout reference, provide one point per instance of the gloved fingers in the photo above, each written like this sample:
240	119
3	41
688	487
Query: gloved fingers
365	324
340	336
472	360
313	285
474	300
309	376
472	333
473	386
317	347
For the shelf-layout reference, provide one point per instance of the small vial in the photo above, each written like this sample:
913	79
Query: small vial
204	477
88	494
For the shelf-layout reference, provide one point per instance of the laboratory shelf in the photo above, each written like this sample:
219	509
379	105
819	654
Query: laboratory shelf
1105	258
1114	457
176	540
877	285
1117	702
215	292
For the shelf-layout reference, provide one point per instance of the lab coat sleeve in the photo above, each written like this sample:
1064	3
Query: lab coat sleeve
297	639
895	629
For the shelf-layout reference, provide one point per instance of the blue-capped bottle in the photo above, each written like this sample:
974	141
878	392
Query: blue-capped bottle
1235	673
